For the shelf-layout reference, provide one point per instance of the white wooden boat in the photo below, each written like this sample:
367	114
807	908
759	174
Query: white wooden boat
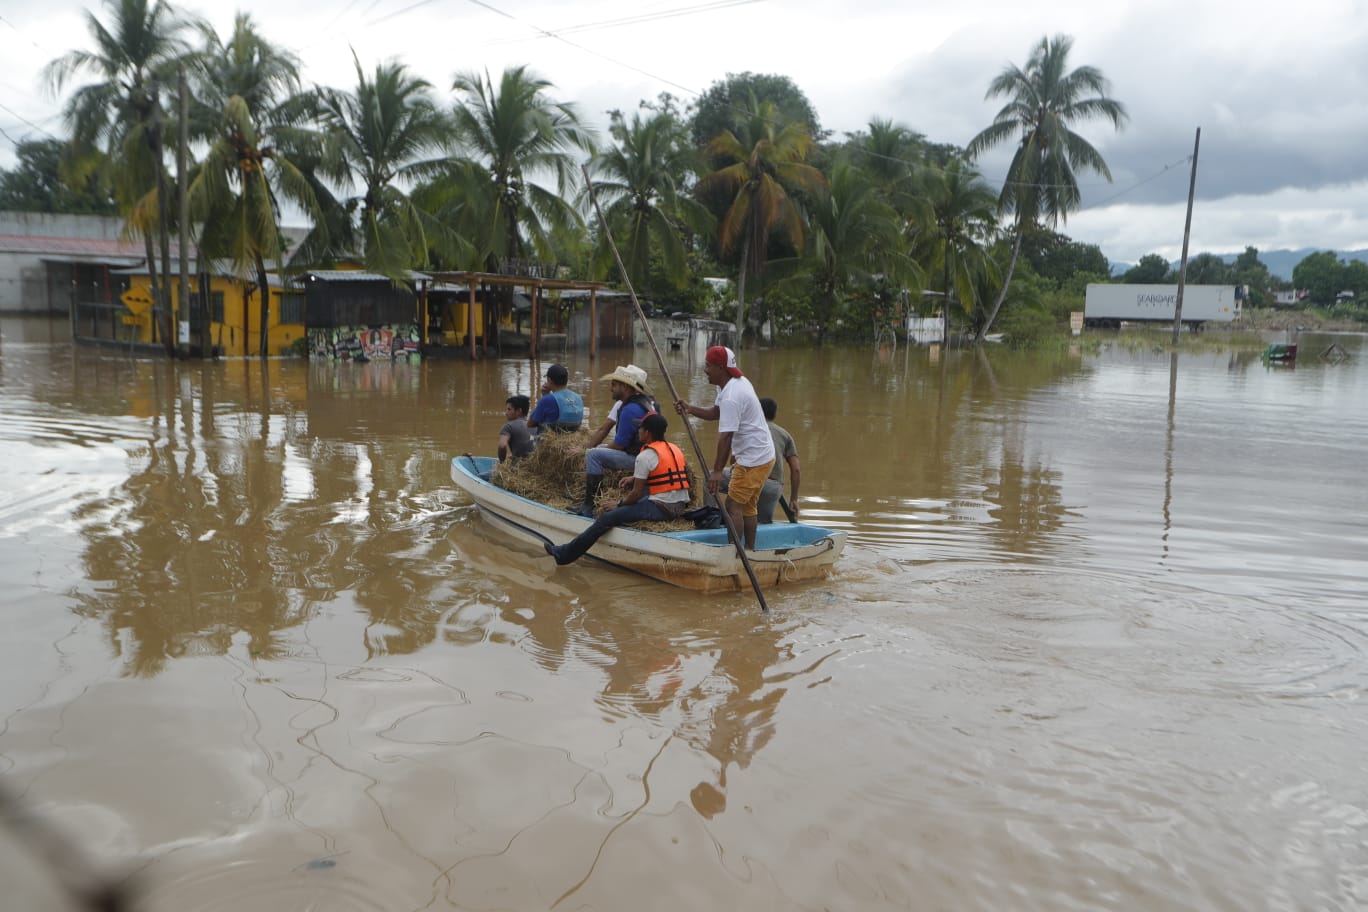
701	559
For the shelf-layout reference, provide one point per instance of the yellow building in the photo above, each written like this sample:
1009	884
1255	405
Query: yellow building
231	306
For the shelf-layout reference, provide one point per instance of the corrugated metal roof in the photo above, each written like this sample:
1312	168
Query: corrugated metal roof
54	247
357	275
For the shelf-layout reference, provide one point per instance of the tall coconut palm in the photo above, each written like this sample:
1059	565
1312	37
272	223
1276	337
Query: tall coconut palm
854	236
891	154
235	195
961	224
247	65
134	57
382	134
641	183
1046	99
757	179
516	134
252	89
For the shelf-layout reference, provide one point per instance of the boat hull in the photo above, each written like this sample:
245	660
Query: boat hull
702	560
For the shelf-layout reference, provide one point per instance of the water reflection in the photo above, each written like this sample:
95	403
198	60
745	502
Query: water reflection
1075	594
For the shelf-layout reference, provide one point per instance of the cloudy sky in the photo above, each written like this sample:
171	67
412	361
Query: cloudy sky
1280	91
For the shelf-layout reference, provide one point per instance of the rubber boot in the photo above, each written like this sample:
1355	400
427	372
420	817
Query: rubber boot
592	483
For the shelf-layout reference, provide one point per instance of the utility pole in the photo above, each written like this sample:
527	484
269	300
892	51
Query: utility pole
1187	231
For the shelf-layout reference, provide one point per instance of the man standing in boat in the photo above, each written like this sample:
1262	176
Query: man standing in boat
559	408
659	491
742	435
628	387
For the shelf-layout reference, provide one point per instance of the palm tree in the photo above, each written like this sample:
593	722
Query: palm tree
890	153
235	196
121	110
513	134
854	236
961	223
253	87
647	207
380	135
1046	99
757	178
264	76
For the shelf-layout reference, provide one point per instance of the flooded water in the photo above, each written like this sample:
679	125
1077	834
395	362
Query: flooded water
1099	641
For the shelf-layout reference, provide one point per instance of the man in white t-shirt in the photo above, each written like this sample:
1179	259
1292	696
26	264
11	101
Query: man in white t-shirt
742	435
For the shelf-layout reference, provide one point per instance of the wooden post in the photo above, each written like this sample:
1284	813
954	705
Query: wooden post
470	320
536	323
1187	231
593	323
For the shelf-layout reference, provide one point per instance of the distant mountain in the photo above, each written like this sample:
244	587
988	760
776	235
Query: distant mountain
1279	262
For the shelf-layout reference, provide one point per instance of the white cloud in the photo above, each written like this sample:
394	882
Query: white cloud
1281	95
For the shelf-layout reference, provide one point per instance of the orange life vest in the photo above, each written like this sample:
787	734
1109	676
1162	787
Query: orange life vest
669	474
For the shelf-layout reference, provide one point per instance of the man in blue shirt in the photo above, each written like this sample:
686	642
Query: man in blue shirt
559	408
628	386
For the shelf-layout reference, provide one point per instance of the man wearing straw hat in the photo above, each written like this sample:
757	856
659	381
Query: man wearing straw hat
628	387
742	435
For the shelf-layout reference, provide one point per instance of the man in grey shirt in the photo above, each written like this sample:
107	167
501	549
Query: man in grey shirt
785	452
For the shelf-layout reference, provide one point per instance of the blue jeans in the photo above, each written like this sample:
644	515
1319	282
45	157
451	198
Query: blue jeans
599	459
642	511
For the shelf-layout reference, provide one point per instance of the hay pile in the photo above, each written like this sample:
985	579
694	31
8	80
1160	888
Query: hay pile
554	475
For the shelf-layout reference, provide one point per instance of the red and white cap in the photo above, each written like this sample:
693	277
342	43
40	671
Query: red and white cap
723	357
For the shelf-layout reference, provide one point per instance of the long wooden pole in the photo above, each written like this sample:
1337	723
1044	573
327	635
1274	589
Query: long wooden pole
732	531
1187	232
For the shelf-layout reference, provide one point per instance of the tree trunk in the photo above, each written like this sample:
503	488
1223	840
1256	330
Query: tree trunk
265	291
1002	292
741	293
158	310
163	224
945	303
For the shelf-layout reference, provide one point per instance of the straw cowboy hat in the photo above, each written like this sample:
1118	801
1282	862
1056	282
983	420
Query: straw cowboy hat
631	375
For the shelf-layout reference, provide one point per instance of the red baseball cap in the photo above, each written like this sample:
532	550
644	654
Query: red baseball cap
723	357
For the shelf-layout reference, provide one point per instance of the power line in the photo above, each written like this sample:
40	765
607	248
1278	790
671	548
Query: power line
25	120
633	20
580	47
1160	173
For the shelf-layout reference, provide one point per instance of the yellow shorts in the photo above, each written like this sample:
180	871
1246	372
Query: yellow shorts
746	484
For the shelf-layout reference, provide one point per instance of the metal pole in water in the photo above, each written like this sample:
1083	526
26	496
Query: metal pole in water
1187	231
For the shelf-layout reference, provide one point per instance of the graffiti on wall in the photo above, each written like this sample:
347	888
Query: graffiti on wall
388	342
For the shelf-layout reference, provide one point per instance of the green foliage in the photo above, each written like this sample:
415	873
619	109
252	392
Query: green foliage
1249	271
757	183
955	227
1057	256
1207	269
1026	314
515	135
640	183
1152	269
729	102
1321	275
36	184
1045	99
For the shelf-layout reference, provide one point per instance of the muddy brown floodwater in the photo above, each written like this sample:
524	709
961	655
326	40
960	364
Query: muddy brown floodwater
1099	641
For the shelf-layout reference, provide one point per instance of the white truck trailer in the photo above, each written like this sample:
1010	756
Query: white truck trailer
1111	305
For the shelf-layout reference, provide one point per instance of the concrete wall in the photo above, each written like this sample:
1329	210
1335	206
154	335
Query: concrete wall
41	224
25	284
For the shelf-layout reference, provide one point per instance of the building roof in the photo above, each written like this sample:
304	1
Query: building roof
358	275
61	248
